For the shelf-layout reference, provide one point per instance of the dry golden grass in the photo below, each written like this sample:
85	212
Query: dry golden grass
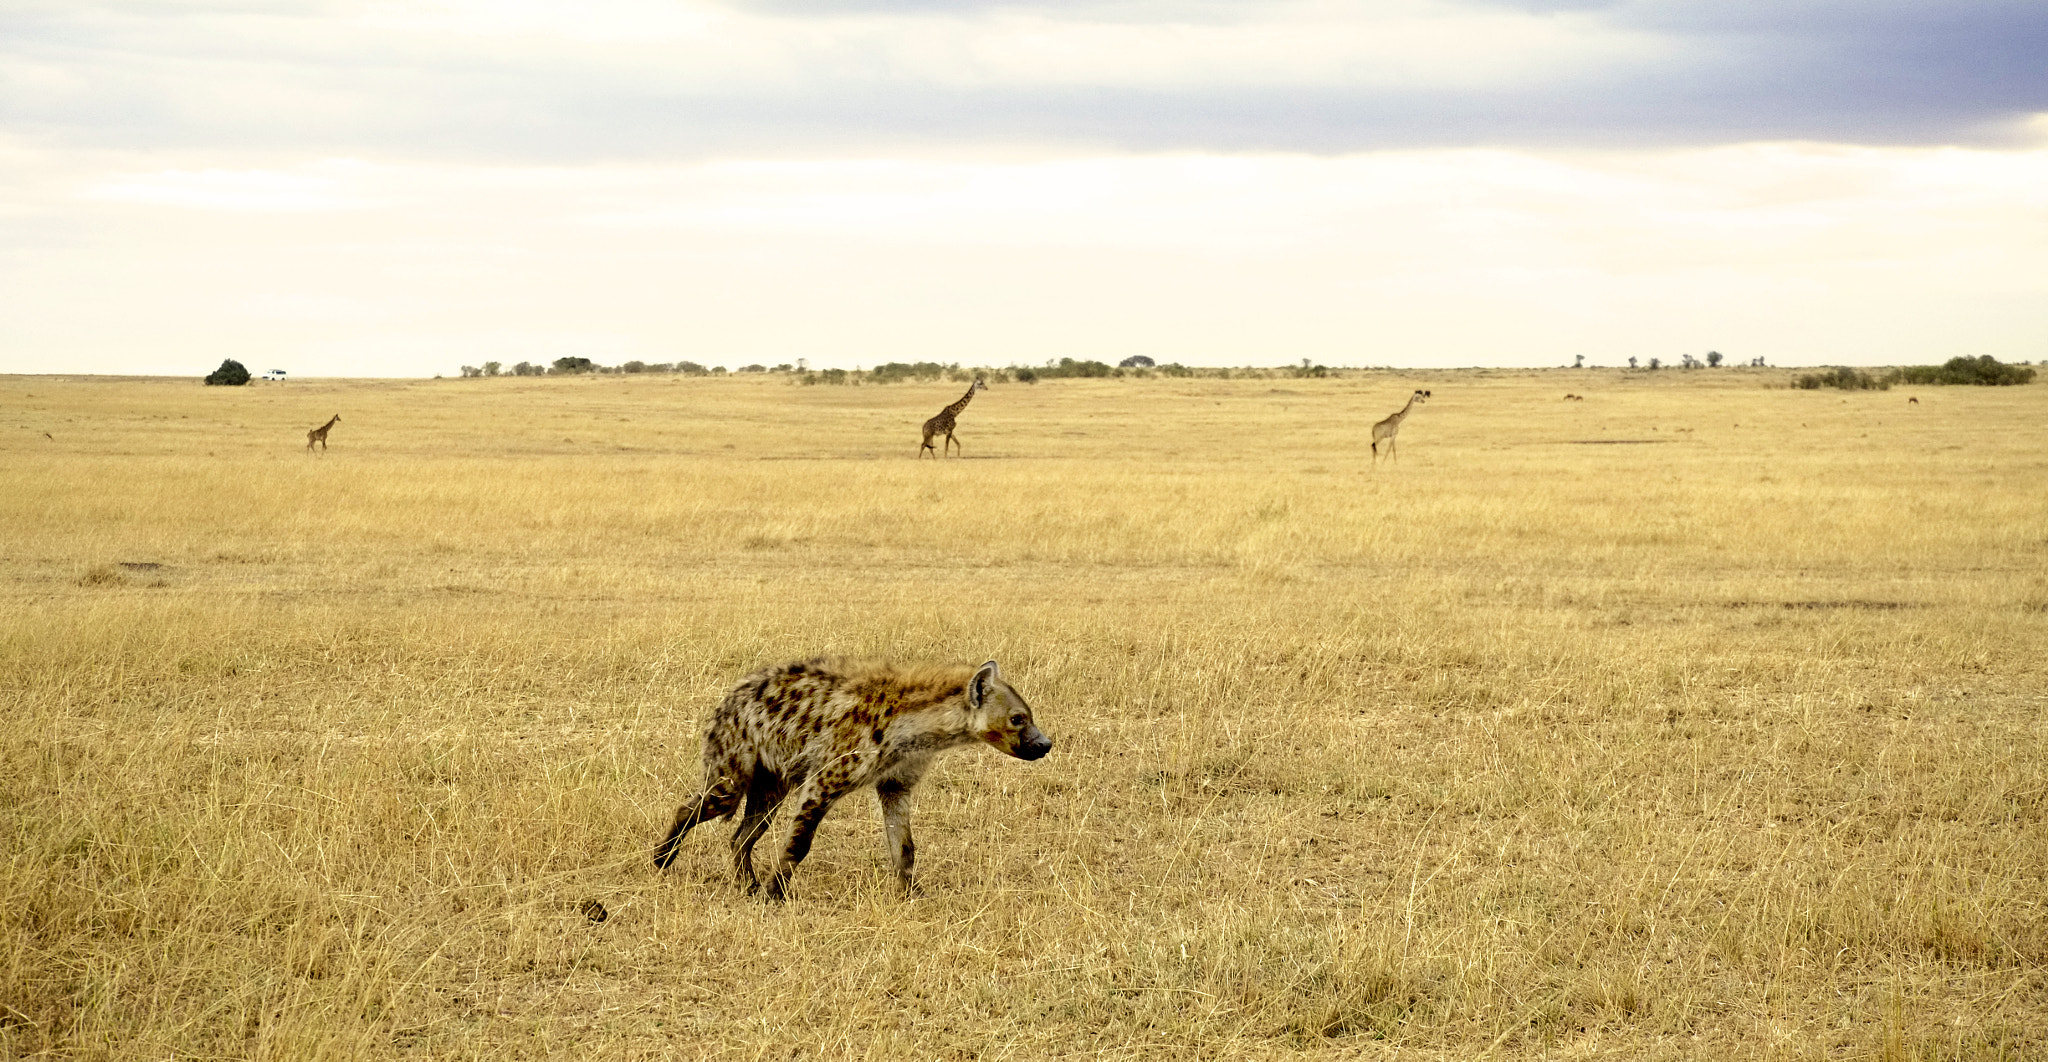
1697	719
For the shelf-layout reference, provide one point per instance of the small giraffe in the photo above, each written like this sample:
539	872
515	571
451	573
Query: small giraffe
1391	426
319	434
944	422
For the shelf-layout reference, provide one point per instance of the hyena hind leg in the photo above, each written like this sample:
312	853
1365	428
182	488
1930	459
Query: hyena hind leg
716	803
764	794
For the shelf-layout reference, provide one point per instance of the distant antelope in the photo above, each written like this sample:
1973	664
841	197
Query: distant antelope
1391	426
1574	398
1913	401
319	434
944	422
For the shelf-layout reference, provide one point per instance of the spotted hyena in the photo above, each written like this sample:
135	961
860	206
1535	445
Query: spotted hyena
817	730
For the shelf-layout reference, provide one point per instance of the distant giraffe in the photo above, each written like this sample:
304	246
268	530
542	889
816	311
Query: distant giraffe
945	420
319	434
1391	426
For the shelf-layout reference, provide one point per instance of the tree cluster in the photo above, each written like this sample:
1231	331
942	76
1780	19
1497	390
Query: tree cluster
1982	371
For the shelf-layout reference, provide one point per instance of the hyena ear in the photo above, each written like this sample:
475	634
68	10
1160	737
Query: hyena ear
977	687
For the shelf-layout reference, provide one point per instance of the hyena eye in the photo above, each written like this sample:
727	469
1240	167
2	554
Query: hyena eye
1017	720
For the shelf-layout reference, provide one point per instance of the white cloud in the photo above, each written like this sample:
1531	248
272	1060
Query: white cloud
321	187
1802	253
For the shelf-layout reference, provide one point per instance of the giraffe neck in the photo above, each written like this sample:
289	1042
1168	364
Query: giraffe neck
956	407
1403	415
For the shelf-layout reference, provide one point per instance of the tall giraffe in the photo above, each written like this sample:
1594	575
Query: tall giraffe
319	434
944	422
1391	426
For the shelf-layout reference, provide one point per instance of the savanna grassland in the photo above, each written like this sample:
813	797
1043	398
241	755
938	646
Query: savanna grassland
1701	718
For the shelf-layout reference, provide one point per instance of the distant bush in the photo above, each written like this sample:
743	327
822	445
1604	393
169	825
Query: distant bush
1844	378
230	374
1985	371
825	376
1027	375
1068	367
1136	361
636	366
527	368
897	372
1174	368
690	368
572	366
753	368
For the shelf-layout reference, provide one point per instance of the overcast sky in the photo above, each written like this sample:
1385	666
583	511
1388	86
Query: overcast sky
398	188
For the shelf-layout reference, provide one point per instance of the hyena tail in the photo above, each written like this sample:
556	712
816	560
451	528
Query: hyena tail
721	798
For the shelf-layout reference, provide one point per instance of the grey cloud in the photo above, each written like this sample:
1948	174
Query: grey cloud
1898	74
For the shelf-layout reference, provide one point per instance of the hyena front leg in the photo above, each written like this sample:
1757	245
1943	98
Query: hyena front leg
764	794
716	802
812	802
895	798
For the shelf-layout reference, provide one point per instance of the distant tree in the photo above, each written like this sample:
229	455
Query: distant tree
782	368
1136	361
1654	365
1578	361
571	366
1713	359
634	366
492	368
753	368
230	374
1631	362
471	370
690	368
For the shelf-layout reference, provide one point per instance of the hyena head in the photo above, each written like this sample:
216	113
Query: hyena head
1000	717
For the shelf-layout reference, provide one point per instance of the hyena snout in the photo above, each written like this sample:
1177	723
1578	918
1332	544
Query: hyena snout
1032	744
